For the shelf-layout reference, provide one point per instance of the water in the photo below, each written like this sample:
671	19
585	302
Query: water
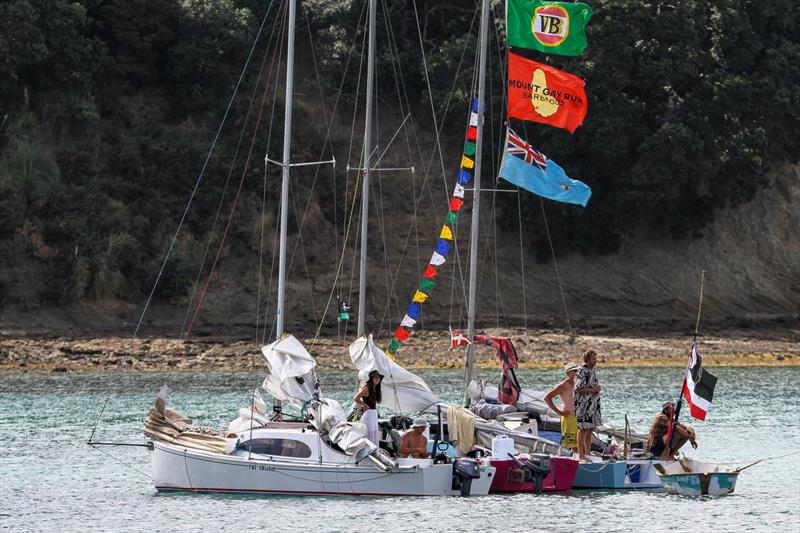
51	480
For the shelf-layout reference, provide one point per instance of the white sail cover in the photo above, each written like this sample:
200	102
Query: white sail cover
291	371
402	391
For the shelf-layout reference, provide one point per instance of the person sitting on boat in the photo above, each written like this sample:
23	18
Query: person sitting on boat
657	443
587	403
413	443
368	398
566	392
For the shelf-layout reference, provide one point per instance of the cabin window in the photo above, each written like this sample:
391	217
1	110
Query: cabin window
283	447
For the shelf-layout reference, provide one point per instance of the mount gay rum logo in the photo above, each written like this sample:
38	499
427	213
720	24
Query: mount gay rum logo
550	25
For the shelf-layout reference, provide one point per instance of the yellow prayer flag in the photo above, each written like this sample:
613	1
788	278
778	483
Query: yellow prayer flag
420	297
390	356
446	233
466	162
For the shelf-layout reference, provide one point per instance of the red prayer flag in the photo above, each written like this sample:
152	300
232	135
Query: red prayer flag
541	93
456	203
401	334
472	133
430	272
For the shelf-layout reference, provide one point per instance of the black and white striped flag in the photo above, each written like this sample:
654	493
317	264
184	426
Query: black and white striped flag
698	386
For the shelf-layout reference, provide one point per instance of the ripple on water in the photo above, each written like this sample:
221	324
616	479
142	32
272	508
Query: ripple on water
50	480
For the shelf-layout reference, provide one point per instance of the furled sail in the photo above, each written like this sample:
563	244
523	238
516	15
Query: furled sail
291	371
402	391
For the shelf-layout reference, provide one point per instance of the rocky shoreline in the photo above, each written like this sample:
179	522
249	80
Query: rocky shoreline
428	349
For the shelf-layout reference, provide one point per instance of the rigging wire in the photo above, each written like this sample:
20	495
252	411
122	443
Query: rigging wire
558	275
276	232
236	198
202	171
435	149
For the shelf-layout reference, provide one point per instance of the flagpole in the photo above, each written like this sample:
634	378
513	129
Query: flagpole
699	306
476	199
679	402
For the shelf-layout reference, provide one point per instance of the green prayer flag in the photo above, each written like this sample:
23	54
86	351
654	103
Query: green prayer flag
395	344
451	218
549	27
427	286
469	148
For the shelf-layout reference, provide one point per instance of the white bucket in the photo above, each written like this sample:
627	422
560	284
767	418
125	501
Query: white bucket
502	445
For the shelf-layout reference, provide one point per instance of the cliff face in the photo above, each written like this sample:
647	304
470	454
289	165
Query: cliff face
751	255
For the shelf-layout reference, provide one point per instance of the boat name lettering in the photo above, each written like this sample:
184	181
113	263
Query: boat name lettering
262	467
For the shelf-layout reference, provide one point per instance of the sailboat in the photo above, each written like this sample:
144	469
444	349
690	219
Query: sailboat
320	454
604	471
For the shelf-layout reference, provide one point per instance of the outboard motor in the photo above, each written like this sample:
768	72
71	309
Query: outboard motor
464	471
537	467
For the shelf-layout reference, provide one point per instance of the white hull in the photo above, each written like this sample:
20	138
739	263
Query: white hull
176	468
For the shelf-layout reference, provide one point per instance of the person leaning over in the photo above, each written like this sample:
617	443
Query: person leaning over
657	443
413	443
566	392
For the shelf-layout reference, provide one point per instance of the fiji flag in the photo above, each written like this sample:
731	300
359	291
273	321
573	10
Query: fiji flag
698	386
533	171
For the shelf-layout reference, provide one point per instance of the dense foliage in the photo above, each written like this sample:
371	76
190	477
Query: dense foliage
110	107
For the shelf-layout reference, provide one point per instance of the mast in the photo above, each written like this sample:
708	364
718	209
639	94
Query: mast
476	198
362	276
287	147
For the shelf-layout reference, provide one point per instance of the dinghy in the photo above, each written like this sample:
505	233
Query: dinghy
694	478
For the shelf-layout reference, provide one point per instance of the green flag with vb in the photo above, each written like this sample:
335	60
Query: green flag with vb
549	27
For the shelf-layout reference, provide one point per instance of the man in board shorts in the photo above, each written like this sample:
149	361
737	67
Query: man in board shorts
565	391
587	404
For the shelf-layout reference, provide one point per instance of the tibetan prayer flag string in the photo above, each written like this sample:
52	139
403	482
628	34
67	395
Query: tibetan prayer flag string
446	235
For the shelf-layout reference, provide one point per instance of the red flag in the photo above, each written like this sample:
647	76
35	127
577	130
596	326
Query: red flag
458	339
541	93
401	334
430	272
456	203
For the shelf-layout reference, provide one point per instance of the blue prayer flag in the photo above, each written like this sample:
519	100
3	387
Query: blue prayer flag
533	171
442	246
464	177
413	311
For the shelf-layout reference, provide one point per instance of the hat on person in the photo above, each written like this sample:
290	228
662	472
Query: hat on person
420	423
569	367
373	373
666	404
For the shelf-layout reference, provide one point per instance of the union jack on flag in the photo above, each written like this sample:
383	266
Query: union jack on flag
519	147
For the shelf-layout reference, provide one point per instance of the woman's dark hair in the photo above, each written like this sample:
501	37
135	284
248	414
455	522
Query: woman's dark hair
374	390
659	428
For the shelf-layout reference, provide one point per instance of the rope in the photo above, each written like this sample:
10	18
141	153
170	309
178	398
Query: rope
558	275
227	182
276	233
236	198
764	460
437	148
202	171
120	461
522	265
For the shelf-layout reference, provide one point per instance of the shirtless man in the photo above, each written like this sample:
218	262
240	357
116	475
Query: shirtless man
566	392
414	443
